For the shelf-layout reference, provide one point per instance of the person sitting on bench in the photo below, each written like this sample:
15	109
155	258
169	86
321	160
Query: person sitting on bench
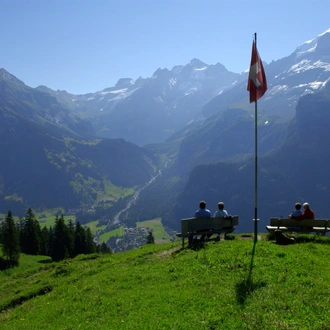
203	212
308	213
296	214
221	212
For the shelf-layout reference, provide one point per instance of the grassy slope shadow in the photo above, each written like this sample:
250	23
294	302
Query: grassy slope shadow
20	300
246	287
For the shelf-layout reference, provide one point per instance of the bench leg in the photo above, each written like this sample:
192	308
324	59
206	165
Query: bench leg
182	241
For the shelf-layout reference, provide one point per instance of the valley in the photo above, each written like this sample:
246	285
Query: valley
102	158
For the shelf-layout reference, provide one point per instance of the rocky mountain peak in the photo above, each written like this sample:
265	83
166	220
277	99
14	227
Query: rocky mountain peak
124	82
197	64
6	76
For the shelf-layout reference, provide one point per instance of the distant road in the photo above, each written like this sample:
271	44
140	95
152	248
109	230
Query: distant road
116	218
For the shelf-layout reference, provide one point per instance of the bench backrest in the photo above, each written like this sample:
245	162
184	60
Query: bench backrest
299	223
192	224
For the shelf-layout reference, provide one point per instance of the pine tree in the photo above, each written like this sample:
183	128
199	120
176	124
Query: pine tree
90	245
50	244
60	248
44	241
79	239
150	238
10	240
105	248
30	234
70	242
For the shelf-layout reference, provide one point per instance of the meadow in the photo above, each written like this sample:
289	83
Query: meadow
45	218
231	284
155	225
112	233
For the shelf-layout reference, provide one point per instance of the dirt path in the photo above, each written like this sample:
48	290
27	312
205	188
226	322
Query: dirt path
167	253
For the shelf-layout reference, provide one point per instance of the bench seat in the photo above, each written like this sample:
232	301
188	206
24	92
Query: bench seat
203	226
301	226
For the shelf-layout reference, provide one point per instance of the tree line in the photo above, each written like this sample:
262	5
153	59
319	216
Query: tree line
61	242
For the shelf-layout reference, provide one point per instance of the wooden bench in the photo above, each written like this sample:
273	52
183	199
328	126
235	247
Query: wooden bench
301	226
206	226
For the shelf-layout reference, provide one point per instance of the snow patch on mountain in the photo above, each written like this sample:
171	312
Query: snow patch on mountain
276	89
114	92
171	82
309	46
158	99
305	65
123	94
313	85
190	91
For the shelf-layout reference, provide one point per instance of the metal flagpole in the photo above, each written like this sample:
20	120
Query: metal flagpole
255	164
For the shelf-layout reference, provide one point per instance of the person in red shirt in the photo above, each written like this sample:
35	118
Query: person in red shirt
308	213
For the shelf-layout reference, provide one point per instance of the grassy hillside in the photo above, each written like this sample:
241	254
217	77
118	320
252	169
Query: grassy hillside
116	232
156	226
229	284
70	173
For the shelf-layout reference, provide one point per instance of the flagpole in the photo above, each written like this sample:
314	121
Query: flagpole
257	86
255	164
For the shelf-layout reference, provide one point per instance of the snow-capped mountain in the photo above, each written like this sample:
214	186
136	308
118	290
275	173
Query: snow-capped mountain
225	129
151	109
305	71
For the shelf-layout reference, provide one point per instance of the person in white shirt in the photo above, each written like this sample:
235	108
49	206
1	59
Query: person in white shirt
221	213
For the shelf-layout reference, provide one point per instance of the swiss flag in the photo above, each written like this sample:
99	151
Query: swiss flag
257	84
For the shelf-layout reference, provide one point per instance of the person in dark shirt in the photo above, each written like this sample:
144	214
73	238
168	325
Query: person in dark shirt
296	214
308	213
203	212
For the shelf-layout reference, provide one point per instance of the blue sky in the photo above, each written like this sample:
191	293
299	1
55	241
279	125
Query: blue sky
87	45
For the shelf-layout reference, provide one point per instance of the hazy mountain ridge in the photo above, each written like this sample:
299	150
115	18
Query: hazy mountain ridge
39	107
150	110
45	170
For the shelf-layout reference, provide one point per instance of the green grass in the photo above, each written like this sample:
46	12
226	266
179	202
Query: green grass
3	216
50	220
113	192
157	229
93	226
47	221
230	284
116	232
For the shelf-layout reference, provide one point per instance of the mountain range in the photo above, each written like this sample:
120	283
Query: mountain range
150	110
74	151
50	158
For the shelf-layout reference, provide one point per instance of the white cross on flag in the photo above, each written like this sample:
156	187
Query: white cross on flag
257	84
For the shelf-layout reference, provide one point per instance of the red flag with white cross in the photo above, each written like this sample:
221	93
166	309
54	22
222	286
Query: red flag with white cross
257	84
